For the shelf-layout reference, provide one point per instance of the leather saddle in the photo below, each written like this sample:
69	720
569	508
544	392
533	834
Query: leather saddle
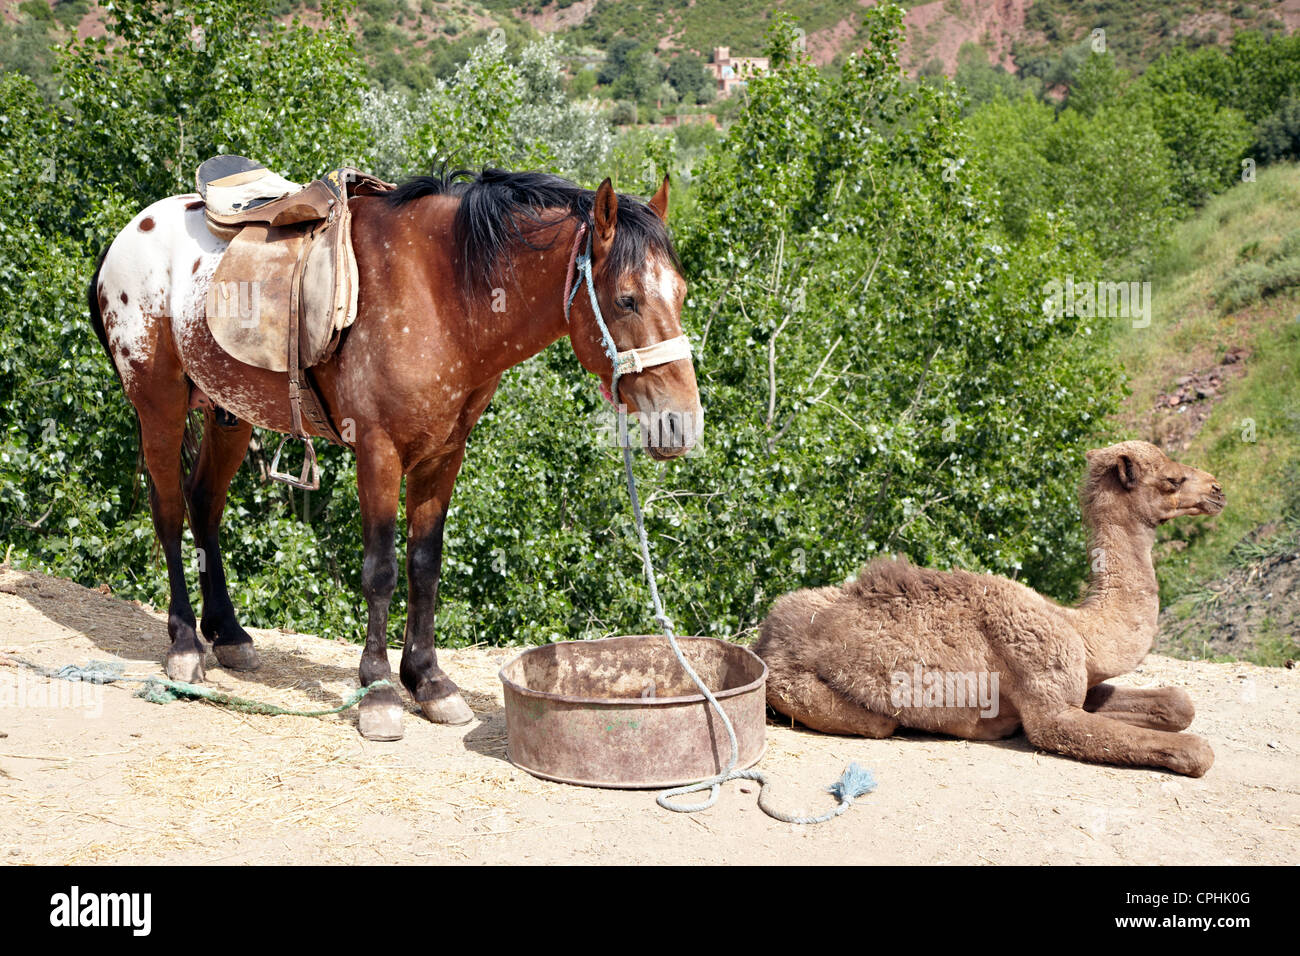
286	287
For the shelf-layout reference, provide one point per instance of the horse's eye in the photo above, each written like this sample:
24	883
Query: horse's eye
626	303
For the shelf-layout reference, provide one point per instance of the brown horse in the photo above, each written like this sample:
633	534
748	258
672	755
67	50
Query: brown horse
461	277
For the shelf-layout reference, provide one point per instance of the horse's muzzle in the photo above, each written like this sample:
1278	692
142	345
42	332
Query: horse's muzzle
671	433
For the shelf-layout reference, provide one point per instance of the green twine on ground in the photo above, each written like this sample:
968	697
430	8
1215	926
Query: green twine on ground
157	690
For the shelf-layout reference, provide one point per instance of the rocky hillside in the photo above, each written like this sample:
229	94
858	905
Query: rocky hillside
1214	382
415	39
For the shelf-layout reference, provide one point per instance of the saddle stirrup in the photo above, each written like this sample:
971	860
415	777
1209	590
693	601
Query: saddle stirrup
309	480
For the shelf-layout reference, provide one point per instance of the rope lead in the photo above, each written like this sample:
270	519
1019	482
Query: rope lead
855	781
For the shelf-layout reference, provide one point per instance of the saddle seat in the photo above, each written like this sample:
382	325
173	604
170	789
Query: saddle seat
286	287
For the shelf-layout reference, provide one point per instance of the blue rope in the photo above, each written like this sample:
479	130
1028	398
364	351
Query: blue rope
853	783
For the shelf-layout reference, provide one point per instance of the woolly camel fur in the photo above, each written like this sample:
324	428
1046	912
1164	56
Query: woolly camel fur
838	657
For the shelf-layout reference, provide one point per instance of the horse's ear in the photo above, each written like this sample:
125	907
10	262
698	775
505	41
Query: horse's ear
659	202
605	215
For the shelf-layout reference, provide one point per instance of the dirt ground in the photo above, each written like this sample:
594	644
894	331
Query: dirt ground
92	774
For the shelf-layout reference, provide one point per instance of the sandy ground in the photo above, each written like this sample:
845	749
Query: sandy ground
92	774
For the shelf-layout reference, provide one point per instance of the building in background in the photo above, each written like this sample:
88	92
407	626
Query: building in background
733	72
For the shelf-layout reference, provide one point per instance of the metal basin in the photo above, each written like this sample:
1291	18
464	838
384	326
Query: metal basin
621	712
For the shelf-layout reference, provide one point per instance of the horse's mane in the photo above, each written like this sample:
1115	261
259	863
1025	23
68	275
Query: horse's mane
499	208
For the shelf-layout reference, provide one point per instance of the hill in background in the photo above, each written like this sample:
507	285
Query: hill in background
410	42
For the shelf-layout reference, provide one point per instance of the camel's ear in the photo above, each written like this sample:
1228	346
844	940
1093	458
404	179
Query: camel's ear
1126	467
605	217
1126	470
659	201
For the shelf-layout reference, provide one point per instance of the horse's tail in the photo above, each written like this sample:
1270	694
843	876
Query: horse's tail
140	480
97	314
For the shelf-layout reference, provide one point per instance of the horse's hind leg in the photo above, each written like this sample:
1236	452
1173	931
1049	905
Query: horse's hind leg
162	430
225	442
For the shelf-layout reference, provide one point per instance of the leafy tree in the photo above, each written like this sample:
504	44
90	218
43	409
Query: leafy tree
871	341
982	80
1277	136
639	81
509	111
687	73
617	54
1097	83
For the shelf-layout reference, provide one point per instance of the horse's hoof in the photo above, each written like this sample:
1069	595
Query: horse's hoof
185	666
237	657
381	715
451	709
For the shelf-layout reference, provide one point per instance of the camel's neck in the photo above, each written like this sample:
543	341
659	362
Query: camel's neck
1118	618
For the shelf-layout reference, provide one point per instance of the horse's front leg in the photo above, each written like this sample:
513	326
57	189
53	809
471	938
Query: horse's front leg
379	483
428	490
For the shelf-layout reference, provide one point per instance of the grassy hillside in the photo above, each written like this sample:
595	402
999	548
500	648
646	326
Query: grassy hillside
1227	305
409	42
700	25
1140	30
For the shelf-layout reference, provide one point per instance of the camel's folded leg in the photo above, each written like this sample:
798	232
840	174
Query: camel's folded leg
1098	738
808	700
1157	708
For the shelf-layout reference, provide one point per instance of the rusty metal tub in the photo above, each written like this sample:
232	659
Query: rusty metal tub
621	712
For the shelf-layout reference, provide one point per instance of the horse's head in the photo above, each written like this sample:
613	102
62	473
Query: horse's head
640	292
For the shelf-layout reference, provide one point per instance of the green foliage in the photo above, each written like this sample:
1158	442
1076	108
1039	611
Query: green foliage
865	269
1277	136
982	81
1205	142
700	25
1107	171
1258	74
1138	31
902	333
25	44
510	111
688	74
1097	83
1261	273
178	86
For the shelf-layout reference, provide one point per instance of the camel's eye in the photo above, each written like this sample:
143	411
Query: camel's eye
1173	484
626	303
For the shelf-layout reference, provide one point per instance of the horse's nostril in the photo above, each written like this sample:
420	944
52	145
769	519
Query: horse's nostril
673	430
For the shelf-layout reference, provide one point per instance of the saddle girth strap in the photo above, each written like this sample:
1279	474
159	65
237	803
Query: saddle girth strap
305	399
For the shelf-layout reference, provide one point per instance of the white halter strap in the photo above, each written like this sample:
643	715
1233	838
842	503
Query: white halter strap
633	360
648	356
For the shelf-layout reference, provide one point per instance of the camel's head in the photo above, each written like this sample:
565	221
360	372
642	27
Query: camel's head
1138	479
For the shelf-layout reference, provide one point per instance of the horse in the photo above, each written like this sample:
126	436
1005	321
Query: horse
462	275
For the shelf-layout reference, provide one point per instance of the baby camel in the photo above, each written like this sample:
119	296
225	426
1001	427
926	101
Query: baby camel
845	660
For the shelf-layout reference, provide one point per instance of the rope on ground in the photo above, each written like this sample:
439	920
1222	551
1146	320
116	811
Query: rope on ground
158	690
856	780
853	783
